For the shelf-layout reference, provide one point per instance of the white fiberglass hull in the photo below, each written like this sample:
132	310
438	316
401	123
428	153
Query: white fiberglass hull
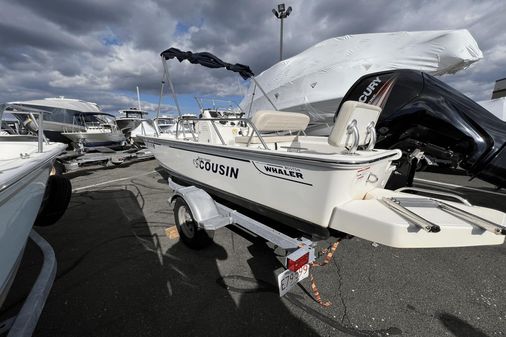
22	186
313	194
145	128
127	124
398	232
295	188
92	139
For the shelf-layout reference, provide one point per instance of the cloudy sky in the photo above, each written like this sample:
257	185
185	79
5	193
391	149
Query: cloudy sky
100	50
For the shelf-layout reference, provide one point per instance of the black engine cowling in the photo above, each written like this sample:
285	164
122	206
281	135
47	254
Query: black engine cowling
421	112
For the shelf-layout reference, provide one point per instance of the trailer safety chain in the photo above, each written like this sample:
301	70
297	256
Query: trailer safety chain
330	253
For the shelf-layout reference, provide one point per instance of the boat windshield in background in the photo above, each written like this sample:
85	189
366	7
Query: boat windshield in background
420	112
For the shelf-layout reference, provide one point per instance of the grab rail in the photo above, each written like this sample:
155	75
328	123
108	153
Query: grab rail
476	220
399	205
446	194
395	205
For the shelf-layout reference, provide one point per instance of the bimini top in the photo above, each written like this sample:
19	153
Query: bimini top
207	60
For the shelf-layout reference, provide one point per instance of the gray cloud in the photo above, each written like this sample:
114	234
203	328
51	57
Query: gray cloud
99	50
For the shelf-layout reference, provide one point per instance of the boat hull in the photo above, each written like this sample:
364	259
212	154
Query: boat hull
94	139
298	191
315	197
21	195
127	124
397	231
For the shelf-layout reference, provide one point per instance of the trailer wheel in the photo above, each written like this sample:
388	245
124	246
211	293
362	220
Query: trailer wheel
189	232
56	200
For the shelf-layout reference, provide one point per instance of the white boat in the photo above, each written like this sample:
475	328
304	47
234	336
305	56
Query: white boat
165	123
313	183
315	80
100	129
129	119
497	106
60	117
132	123
25	167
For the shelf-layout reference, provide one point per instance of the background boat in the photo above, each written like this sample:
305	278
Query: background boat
59	117
100	129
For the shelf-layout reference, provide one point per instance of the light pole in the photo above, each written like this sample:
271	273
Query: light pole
281	14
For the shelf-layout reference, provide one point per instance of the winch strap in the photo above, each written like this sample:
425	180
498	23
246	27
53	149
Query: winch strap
330	252
316	293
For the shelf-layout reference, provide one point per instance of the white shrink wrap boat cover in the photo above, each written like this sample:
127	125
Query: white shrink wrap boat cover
315	80
496	106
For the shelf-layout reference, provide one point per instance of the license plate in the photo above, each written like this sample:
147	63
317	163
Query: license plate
288	278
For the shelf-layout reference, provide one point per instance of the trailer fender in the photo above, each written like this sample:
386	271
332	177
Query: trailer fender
203	208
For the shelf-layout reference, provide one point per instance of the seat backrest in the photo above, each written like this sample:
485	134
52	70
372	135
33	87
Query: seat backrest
363	114
270	120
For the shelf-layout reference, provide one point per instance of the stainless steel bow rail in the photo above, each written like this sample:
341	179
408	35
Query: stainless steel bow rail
401	206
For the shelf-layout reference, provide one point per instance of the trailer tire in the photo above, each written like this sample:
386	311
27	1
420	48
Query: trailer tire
56	200
189	232
59	167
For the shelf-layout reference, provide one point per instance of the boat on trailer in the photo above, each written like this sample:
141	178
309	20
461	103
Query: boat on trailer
29	195
315	184
100	130
60	115
129	119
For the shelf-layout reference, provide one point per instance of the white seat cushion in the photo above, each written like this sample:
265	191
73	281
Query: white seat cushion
269	120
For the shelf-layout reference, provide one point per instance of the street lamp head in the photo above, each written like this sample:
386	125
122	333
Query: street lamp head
275	12
288	11
281	8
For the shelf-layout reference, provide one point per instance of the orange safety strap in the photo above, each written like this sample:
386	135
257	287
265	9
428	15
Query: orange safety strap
327	259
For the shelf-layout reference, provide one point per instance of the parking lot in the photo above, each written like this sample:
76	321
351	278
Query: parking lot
119	274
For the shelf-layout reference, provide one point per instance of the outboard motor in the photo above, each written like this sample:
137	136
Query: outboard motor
421	114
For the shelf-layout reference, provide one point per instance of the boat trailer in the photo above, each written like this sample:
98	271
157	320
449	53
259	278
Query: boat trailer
196	212
73	160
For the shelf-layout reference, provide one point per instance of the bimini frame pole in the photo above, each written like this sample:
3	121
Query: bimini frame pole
263	92
167	76
161	95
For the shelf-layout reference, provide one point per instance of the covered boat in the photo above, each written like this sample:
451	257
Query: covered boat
315	80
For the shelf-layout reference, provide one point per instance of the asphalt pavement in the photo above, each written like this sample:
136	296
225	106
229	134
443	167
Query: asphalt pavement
119	274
